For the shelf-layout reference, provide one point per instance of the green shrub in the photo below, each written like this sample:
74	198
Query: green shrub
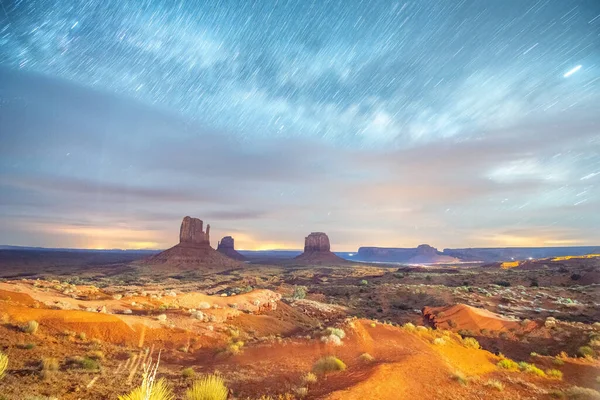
585	351
471	343
90	364
508	364
188	372
329	364
554	374
366	357
558	361
210	387
30	327
299	292
531	369
82	336
159	390
364	282
495	384
26	346
3	364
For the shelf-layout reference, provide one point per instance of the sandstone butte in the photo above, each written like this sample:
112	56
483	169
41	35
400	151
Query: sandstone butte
317	251
226	247
193	250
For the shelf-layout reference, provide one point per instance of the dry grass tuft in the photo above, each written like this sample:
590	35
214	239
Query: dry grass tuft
31	327
211	387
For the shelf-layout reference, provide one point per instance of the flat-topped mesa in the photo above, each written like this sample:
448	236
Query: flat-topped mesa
316	241
191	231
226	247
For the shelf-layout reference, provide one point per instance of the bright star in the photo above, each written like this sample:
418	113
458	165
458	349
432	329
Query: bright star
572	71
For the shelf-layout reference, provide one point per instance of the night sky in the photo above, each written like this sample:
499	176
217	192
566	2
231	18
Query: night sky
453	123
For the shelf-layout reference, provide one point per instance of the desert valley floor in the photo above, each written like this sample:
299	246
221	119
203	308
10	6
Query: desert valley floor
85	331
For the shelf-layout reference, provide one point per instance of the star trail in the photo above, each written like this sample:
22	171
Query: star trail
387	98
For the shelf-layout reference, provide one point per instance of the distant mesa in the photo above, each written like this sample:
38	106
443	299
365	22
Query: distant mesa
317	251
193	250
423	254
226	247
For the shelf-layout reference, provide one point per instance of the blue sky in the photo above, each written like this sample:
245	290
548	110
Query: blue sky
453	123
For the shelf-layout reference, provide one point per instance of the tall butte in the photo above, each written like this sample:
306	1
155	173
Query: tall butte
317	251
193	250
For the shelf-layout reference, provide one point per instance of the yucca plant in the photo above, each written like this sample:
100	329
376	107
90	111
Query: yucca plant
211	387
150	389
3	364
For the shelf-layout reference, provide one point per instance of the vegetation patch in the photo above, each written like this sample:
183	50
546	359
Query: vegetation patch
328	364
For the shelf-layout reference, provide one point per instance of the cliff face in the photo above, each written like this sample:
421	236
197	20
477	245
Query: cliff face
226	247
423	254
191	231
316	241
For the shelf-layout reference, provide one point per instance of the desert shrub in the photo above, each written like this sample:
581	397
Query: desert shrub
328	364
332	339
337	332
309	377
90	364
460	378
188	372
554	374
3	364
575	277
409	326
508	364
234	347
26	346
30	327
558	361
366	357
495	384
301	392
585	351
162	317
82	336
150	390
581	393
534	283
471	343
503	283
210	387
299	292
364	282
531	369
439	341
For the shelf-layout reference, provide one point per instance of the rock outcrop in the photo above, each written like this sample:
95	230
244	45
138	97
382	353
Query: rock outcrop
317	251
226	247
193	251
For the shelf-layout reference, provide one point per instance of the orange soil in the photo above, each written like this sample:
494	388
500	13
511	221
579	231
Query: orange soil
461	316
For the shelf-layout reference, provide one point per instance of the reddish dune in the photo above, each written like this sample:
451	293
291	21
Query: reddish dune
461	316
